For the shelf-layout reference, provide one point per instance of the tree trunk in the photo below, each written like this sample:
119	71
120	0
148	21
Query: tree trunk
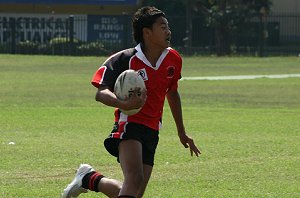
222	37
222	33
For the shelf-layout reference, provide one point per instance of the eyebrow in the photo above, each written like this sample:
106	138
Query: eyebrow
164	23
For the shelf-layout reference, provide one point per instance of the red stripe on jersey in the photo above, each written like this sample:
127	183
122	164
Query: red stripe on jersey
98	76
120	131
117	115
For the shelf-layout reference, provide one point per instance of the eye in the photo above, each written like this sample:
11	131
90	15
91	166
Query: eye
165	27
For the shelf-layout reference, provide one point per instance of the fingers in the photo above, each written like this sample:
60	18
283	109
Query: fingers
188	142
136	99
137	91
184	143
193	148
144	95
144	92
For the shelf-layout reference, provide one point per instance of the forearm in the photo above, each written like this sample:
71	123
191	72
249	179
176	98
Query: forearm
105	96
175	106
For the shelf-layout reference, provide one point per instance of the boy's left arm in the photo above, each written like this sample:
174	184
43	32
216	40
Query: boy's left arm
175	106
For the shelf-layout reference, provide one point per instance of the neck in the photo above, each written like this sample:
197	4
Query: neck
152	53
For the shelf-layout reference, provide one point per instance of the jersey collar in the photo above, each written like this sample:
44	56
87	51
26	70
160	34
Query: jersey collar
140	55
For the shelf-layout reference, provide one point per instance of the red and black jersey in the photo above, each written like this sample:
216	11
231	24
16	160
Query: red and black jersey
159	79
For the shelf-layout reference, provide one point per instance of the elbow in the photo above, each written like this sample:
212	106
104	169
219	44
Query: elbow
103	95
97	97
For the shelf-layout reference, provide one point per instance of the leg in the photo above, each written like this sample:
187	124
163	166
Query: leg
110	187
130	156
87	178
147	175
95	181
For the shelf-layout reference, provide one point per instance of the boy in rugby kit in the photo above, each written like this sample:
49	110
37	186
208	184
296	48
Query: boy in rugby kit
134	138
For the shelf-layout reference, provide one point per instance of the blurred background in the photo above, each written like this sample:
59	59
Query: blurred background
102	27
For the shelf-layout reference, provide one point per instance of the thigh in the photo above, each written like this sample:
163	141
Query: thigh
146	136
150	142
147	174
130	156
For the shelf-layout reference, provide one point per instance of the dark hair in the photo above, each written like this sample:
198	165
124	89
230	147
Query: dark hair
144	17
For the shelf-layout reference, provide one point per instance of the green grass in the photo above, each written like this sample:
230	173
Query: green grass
248	130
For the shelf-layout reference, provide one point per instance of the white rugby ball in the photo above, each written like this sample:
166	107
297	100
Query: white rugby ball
125	84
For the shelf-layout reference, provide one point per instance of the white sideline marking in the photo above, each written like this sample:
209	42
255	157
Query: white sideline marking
241	77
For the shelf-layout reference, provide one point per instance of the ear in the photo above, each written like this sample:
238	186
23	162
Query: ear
146	32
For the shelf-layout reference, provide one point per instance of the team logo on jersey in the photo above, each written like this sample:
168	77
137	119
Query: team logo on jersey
143	74
170	71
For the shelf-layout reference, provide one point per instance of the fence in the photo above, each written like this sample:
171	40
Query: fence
66	35
101	35
278	34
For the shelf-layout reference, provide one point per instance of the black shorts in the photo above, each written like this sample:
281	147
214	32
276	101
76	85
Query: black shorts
126	131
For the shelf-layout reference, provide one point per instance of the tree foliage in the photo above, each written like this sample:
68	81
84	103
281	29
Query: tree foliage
174	7
225	16
231	12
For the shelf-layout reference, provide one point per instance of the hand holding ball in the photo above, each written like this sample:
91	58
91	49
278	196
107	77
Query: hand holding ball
128	83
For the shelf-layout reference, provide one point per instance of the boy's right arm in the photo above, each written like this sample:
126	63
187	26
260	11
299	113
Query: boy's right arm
105	96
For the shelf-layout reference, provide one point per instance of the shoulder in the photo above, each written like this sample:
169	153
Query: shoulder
175	54
121	56
111	68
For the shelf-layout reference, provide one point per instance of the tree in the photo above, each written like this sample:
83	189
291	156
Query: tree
225	16
174	7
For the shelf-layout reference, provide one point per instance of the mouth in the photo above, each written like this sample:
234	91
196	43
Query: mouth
168	39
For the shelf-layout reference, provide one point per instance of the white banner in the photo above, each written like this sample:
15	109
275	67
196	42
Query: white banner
40	28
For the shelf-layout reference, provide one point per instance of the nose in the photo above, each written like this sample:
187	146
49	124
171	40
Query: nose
169	32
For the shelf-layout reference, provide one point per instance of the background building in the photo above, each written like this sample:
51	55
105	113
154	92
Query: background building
286	6
287	14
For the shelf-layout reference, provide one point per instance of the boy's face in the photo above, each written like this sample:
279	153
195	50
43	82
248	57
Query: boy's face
160	34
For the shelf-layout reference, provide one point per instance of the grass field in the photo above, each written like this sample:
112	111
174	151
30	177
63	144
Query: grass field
248	130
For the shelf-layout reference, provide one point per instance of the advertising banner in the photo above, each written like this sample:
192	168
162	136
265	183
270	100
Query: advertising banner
106	28
73	2
40	28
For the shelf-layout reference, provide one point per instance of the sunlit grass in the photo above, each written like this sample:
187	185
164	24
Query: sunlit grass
248	130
